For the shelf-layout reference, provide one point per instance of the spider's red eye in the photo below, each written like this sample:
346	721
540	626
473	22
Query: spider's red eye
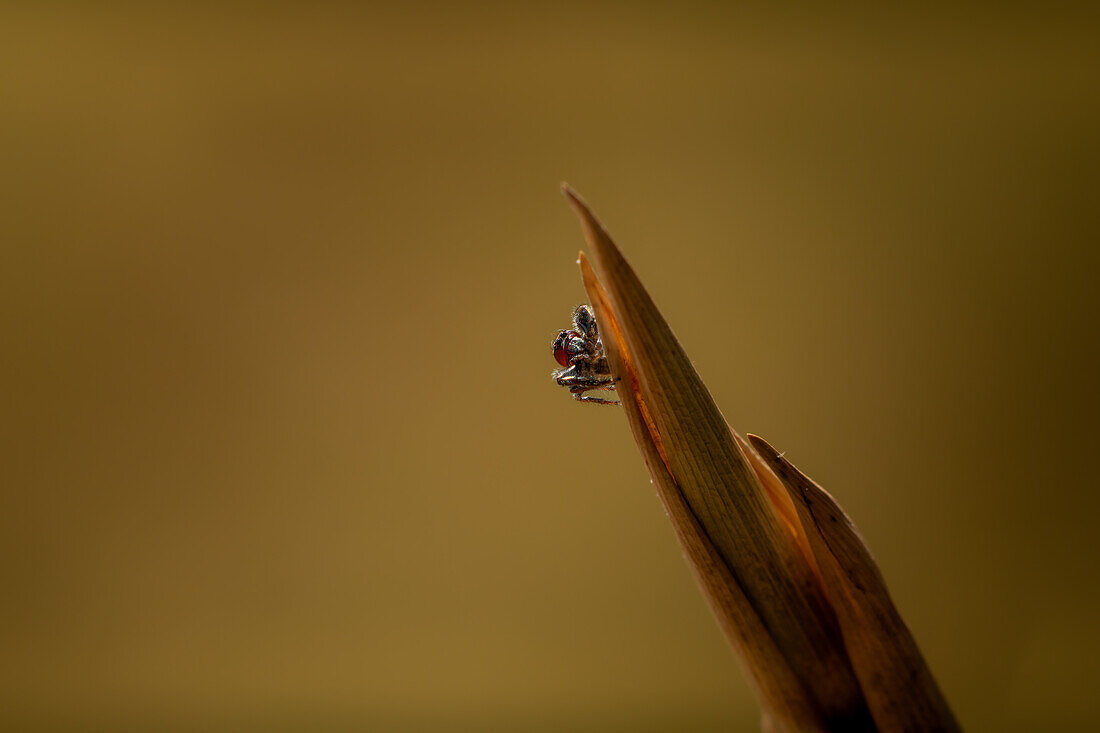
559	348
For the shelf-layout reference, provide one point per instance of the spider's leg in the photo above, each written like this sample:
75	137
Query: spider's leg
604	383
594	400
580	396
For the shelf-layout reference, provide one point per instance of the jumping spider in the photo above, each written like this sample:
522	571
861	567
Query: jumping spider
580	351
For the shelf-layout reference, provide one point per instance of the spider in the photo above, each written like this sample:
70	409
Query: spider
580	351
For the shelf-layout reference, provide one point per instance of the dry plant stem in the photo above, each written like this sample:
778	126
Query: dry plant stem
798	596
776	595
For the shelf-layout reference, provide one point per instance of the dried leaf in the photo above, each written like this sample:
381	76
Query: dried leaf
744	542
898	685
776	684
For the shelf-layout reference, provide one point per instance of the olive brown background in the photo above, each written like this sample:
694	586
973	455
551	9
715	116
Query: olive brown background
278	446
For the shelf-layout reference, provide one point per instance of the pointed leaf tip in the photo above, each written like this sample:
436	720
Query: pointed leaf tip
790	580
748	561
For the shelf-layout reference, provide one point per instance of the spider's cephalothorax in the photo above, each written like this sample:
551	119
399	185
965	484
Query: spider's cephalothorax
580	352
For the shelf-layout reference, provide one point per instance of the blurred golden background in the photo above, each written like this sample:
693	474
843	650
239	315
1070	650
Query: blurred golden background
279	446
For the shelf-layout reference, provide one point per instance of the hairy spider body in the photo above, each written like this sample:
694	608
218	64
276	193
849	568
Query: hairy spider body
580	352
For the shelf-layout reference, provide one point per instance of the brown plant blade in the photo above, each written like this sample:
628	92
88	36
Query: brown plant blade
746	546
896	681
778	688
